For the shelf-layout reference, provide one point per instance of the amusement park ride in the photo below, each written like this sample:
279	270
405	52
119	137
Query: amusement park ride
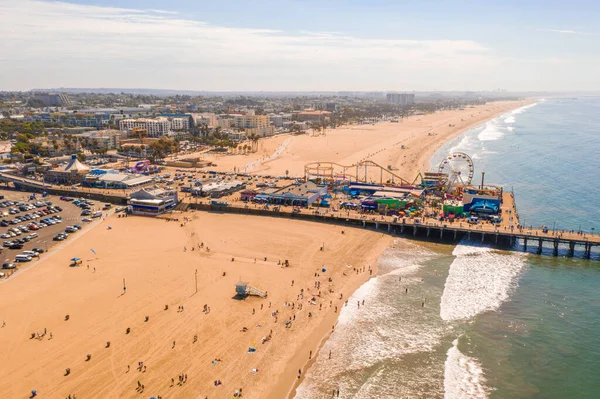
454	175
456	169
359	172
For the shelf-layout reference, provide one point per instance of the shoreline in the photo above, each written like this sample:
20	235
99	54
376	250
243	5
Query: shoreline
318	340
424	162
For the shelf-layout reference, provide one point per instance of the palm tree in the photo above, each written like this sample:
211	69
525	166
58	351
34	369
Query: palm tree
253	137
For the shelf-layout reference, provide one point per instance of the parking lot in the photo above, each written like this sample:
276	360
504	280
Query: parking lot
35	221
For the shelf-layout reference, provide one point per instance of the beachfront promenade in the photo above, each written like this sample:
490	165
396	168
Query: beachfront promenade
548	242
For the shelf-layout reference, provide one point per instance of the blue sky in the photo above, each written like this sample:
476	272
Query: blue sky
301	44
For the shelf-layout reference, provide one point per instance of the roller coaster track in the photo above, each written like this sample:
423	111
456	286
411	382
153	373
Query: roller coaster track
333	171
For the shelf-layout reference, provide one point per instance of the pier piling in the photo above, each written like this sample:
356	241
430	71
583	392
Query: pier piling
555	251
525	244
539	250
588	250
571	248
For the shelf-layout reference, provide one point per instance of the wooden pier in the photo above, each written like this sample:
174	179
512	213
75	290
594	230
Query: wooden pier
545	243
569	244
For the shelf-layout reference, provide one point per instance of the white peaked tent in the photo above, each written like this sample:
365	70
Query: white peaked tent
75	166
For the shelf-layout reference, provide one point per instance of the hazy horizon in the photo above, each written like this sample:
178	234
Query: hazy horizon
299	46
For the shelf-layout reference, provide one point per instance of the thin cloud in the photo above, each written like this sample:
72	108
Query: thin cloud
566	31
66	44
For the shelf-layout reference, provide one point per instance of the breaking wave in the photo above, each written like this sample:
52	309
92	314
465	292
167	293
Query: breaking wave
479	280
463	376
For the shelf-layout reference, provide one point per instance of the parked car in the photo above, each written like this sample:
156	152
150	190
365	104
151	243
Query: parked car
22	258
38	250
59	237
8	265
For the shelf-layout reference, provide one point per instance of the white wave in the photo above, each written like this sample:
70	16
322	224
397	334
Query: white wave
523	109
510	128
490	132
479	280
509	120
463	376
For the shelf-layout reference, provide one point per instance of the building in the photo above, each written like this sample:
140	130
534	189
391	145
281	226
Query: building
257	124
401	98
93	120
297	194
101	178
222	188
73	173
205	119
152	202
54	99
108	139
180	124
278	120
313	116
331	107
177	118
156	127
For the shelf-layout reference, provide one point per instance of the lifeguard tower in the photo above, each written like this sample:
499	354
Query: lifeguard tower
244	289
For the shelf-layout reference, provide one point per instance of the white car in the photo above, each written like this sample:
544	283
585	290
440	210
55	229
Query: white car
33	235
87	220
5	236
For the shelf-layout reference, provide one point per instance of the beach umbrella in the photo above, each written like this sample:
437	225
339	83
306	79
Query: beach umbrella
75	259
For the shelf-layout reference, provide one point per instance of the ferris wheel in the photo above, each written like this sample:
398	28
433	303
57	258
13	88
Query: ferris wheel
458	167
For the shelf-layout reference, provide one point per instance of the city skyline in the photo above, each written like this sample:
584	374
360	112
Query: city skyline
344	46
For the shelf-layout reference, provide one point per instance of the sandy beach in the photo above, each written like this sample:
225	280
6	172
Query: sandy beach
421	136
155	261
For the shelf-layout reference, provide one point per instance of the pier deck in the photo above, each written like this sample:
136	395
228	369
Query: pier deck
570	244
506	236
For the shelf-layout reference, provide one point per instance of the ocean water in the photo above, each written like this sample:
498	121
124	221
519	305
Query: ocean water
470	321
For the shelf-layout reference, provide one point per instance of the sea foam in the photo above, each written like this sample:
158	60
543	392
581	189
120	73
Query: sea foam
479	280
490	132
463	376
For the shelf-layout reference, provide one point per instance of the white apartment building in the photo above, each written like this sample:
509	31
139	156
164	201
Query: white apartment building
180	124
278	119
401	98
157	127
205	119
109	139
